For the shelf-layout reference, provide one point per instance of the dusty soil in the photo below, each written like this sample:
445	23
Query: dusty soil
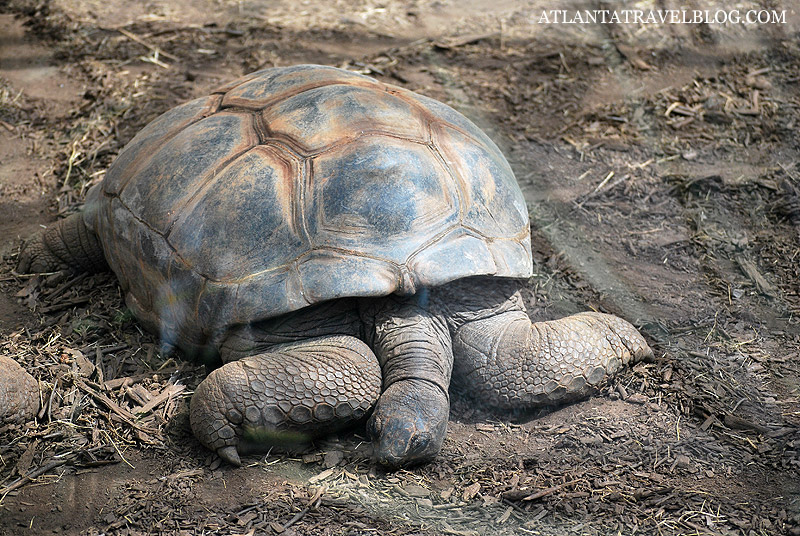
661	166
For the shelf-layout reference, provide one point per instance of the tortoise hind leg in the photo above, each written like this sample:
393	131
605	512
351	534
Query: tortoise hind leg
286	395
511	362
67	244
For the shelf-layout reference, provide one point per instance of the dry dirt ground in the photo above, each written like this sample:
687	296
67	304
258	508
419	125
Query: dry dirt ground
662	169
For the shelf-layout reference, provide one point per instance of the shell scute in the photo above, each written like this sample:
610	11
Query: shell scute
380	196
494	208
327	275
140	149
260	187
279	290
276	84
179	168
324	116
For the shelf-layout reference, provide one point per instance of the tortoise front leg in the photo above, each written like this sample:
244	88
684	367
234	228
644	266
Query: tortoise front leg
67	244
288	394
511	362
414	349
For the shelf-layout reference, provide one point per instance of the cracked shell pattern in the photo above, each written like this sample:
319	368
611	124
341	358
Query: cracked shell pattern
281	190
510	362
307	389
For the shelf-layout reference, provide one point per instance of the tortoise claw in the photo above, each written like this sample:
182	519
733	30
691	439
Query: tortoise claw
230	455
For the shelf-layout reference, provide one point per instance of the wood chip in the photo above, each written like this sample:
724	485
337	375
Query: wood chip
751	271
637	398
414	490
739	423
470	491
507	514
321	476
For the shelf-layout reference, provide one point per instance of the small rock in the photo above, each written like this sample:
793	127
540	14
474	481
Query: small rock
637	398
682	460
332	458
689	155
424	502
414	490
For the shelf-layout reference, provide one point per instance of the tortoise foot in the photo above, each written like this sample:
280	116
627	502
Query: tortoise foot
285	397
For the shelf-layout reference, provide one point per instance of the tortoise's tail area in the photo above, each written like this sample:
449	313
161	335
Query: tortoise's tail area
66	245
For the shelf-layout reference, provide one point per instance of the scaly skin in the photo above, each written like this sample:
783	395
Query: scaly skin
19	392
66	245
414	349
509	362
477	328
290	394
505	360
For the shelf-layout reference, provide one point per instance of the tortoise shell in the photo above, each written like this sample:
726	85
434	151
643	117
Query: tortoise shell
292	186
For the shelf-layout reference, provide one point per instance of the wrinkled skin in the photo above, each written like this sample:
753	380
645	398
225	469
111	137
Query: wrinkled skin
301	375
479	325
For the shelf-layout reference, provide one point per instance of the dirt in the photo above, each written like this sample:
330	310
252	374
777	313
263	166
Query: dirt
660	165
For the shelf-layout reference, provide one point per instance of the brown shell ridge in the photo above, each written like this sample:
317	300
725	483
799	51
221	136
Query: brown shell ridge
307	169
260	127
303	152
430	118
519	236
438	238
458	183
287	144
393	90
298	223
291	144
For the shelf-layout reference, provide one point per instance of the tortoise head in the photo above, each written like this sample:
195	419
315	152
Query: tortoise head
409	423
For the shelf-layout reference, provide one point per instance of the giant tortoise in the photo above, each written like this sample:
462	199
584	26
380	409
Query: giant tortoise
343	245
